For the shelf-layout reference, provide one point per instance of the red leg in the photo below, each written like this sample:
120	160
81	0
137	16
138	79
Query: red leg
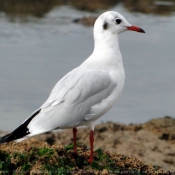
91	146
74	136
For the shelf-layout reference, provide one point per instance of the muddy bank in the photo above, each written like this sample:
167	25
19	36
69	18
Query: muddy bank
152	142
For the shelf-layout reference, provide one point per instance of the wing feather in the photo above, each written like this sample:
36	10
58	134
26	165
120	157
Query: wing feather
72	100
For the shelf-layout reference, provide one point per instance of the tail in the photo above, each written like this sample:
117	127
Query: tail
20	132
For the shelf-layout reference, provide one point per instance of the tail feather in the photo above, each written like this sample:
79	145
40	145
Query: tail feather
20	132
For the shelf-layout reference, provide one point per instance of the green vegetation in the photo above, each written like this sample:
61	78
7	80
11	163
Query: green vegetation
4	161
45	151
61	160
69	147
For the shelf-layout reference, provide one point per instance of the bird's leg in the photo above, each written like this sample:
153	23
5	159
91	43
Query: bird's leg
74	136
91	146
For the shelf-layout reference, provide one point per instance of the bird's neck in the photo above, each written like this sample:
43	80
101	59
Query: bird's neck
107	49
106	42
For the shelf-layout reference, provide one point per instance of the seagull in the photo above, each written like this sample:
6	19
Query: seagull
88	91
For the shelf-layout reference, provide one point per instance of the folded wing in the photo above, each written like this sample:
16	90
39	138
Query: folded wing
73	99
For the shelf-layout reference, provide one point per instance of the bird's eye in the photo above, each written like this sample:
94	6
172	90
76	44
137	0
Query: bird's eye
118	20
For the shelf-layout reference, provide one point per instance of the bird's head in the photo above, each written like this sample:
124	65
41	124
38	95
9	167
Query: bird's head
114	23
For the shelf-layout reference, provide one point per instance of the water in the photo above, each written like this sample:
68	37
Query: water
36	52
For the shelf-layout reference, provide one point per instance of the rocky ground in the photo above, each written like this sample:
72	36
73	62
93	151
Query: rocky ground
148	144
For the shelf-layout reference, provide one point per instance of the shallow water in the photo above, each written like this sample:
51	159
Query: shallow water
36	52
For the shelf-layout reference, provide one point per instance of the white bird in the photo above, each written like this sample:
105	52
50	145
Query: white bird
88	91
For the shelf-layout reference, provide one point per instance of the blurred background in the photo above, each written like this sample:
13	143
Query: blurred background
42	40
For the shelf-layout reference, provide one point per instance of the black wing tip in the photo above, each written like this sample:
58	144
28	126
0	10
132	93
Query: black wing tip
20	132
16	134
4	139
7	138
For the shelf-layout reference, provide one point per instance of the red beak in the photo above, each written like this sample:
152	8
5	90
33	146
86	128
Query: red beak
137	29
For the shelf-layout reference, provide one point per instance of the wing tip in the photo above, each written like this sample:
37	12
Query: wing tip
19	132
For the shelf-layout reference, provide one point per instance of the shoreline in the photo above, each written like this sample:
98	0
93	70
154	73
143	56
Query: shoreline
152	142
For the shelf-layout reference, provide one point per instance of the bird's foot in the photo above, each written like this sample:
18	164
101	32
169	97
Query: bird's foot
90	160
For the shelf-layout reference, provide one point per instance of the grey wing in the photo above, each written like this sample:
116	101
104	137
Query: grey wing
72	101
87	97
61	88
